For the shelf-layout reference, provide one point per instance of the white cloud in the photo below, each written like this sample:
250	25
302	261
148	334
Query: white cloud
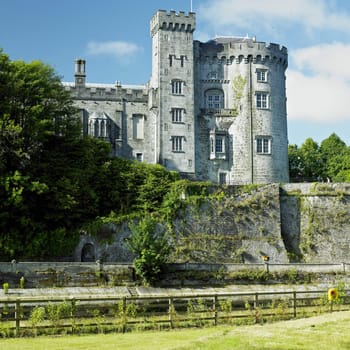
330	60
317	98
311	14
119	49
318	87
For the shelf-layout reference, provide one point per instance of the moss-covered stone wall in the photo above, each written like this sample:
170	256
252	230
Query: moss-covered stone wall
316	221
242	224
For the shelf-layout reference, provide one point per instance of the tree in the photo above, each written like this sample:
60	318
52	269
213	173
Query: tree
333	151
33	107
311	159
296	165
150	242
38	124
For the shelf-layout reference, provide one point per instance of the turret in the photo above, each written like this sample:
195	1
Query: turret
80	75
173	21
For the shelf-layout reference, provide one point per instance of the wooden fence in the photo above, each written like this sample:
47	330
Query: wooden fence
120	314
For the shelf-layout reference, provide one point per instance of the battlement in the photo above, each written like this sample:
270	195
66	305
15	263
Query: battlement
228	50
108	92
173	21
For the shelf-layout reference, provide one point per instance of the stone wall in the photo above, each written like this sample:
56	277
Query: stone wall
70	274
316	221
290	223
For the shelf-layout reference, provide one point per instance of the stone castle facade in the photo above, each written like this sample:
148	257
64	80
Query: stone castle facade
212	111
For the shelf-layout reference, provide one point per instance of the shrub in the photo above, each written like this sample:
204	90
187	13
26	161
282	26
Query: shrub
5	286
150	243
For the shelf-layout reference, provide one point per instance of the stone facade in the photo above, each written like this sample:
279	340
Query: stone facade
212	111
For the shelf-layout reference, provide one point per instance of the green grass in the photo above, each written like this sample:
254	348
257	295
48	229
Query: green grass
316	333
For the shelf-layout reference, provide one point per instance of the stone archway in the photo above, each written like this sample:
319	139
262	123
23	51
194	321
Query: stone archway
88	253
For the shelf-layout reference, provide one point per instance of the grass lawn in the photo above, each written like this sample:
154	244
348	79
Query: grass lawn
316	333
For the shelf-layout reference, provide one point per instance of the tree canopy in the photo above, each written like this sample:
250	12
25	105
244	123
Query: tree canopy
329	161
54	181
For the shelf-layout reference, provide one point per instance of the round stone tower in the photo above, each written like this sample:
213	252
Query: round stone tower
240	103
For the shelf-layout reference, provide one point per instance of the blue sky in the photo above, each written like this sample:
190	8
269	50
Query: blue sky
113	36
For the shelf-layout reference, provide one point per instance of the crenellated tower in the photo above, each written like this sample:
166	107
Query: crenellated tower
240	104
172	87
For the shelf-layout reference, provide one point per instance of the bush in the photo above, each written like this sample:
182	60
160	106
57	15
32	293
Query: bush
150	243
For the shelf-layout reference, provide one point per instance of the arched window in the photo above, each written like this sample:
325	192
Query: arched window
214	99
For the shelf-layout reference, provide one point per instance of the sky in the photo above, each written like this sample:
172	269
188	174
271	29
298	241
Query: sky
113	37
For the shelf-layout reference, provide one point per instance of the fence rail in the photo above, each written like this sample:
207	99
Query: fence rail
102	314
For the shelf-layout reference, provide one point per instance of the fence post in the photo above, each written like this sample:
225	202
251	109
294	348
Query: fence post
256	301
17	316
294	304
72	313
171	309
215	302
267	268
124	320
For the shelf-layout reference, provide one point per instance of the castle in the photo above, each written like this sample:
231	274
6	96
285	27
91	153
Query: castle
211	111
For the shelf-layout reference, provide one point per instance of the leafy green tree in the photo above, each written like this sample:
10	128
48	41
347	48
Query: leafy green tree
296	164
39	130
150	242
155	185
33	107
333	152
311	159
329	161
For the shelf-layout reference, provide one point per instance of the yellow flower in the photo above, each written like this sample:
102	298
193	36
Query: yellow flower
333	294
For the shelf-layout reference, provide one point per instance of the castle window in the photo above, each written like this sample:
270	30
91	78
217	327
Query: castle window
95	127
98	125
217	145
214	99
177	143
222	178
137	126
177	87
263	145
261	75
103	128
262	100
177	115
139	157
